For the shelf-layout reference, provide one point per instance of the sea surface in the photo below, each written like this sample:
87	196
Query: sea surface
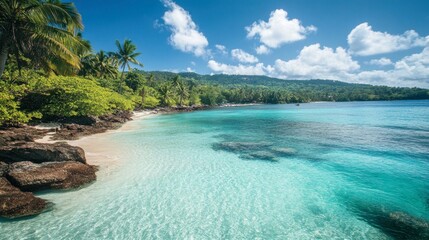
356	170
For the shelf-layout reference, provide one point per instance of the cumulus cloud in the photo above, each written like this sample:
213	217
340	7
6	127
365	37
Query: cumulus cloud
278	30
364	41
315	61
410	71
221	49
185	35
189	69
262	50
243	56
381	62
240	69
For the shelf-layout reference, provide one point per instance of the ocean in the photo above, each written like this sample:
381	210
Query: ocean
355	170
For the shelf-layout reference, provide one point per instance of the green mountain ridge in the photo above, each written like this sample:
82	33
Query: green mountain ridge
257	80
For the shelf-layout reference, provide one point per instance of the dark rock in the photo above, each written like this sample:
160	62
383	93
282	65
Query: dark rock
29	176
118	117
41	152
74	131
396	224
239	146
22	134
4	168
14	203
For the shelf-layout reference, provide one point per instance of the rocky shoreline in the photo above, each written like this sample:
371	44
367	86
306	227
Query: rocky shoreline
28	166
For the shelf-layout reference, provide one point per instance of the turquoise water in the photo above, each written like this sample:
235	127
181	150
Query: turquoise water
317	171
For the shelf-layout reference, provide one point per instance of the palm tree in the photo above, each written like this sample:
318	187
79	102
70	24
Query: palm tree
165	94
46	31
181	89
98	65
126	54
105	65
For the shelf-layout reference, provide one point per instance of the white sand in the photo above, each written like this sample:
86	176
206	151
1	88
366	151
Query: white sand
98	150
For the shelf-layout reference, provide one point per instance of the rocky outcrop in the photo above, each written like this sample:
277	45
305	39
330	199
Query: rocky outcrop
15	203
26	165
40	153
396	224
23	134
101	124
29	176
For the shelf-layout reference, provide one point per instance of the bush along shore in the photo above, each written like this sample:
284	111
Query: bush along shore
28	166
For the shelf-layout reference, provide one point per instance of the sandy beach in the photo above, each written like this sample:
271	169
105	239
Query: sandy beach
98	150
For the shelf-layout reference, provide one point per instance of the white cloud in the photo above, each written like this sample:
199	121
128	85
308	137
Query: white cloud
278	30
243	56
316	62
410	71
364	41
185	35
262	50
221	49
188	69
381	62
258	69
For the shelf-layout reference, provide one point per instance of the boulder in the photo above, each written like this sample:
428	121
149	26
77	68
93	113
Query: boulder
14	203
41	152
29	176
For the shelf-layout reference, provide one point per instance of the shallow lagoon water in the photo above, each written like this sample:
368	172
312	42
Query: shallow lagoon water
356	170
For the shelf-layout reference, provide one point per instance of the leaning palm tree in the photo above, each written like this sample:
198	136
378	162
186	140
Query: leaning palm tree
46	31
126	54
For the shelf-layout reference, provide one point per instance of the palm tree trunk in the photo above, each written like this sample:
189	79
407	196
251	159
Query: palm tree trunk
4	50
122	74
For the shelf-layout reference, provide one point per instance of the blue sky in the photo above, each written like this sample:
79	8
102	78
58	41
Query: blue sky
383	42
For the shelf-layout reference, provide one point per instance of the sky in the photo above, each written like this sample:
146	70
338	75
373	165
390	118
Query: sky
379	42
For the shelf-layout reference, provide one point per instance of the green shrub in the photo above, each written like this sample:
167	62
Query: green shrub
10	113
75	96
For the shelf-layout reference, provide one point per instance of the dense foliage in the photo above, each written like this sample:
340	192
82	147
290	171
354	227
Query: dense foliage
216	89
34	96
45	31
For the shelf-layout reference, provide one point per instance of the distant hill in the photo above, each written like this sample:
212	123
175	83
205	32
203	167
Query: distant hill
280	90
255	80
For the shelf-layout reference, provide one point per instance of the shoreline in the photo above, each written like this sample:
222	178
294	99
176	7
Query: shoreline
98	152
